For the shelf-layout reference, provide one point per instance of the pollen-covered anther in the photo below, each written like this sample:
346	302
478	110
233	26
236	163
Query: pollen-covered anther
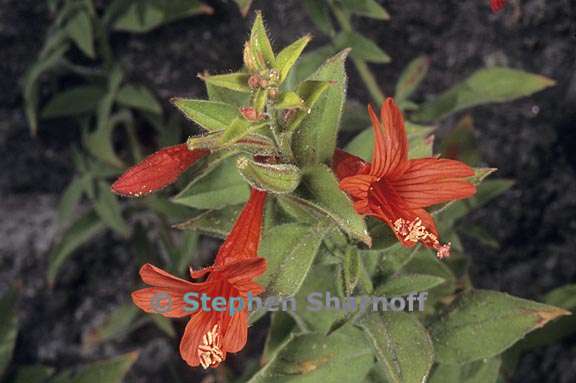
443	251
413	231
209	351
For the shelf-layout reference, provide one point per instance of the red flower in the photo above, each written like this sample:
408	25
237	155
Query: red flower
210	335
157	171
497	5
395	189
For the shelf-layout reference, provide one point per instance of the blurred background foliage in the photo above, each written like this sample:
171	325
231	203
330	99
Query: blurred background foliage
80	81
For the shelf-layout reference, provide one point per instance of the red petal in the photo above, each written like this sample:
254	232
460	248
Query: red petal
198	325
497	5
390	142
157	171
243	240
430	181
357	186
346	165
146	299
236	332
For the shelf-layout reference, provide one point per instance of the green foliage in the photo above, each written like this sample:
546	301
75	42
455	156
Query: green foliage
483	87
481	324
401	344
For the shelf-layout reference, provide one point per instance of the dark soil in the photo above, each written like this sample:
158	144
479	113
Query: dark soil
530	140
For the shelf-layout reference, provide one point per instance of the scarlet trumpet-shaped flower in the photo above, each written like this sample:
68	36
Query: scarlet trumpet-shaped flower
210	335
497	5
157	171
395	189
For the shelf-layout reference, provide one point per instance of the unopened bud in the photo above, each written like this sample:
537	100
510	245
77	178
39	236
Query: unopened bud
273	93
254	81
251	114
274	178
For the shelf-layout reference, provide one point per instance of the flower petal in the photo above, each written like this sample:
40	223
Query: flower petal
157	171
357	186
346	165
236	331
430	181
155	276
168	303
390	142
243	240
197	327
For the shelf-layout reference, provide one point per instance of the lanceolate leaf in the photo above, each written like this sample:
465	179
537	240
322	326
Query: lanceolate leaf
81	231
401	344
319	190
8	328
308	358
288	56
216	223
289	250
408	283
411	78
222	187
315	140
482	371
482	324
138	97
484	86
109	371
259	41
233	81
320	15
108	209
81	32
74	101
362	47
366	8
210	115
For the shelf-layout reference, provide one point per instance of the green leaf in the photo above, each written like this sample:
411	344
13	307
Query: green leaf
309	91
289	55
238	129
460	143
309	62
281	326
315	140
289	100
222	187
33	374
319	191
402	345
408	283
484	86
482	324
234	81
227	96
216	223
308	358
73	101
81	32
210	115
142	17
362	47
243	6
8	328
482	371
564	296
259	41
320	15
274	178
351	269
80	232
31	83
366	8
108	209
289	250
117	325
411	78
138	97
110	371
70	199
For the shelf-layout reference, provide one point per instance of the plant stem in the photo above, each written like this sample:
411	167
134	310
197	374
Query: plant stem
361	66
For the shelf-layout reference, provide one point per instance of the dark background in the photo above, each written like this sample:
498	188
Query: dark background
531	140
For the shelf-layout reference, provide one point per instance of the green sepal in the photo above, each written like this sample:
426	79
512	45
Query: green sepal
274	178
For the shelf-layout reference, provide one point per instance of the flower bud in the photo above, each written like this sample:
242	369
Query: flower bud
157	171
251	114
274	178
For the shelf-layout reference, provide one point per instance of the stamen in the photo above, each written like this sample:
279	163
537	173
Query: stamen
415	231
209	351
